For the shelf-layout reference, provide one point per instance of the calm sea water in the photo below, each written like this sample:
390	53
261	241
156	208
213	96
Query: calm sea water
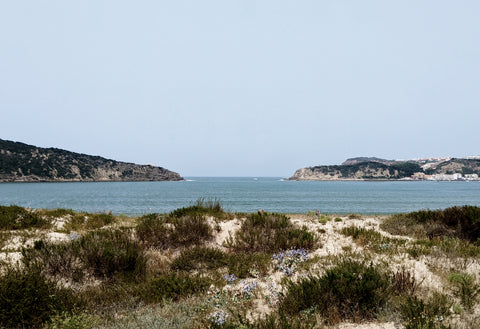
244	194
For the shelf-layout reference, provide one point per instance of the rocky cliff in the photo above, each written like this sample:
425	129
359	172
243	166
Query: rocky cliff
20	162
355	169
358	171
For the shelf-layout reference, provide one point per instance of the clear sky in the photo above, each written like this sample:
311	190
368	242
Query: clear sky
242	88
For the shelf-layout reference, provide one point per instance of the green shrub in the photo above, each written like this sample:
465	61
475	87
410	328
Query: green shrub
18	218
202	207
419	314
95	221
402	224
245	265
371	238
162	232
450	247
173	286
199	258
350	290
108	252
461	222
72	320
153	230
88	221
103	253
465	288
56	259
28	299
190	230
456	247
359	232
241	264
55	213
270	232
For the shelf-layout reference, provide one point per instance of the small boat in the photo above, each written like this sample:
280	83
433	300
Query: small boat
255	179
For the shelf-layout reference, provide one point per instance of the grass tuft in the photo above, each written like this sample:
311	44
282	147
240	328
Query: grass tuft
202	207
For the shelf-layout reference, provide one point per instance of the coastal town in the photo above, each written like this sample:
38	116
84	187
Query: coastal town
443	177
429	163
373	168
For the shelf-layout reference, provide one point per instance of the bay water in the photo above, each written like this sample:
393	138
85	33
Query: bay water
245	194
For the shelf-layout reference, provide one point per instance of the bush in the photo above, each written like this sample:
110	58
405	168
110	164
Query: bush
242	265
199	258
461	222
83	220
419	314
161	232
465	288
18	218
173	286
71	320
403	282
371	238
153	230
103	253
270	232
190	230
107	253
350	290
28	299
202	207
55	213
245	265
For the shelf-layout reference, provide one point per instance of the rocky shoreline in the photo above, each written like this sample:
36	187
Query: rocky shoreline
384	170
20	162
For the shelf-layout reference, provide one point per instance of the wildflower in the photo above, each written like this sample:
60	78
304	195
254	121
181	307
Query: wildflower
219	317
287	260
230	278
273	297
248	288
73	236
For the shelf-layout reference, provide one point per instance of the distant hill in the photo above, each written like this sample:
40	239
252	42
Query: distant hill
353	161
461	166
367	168
357	171
20	162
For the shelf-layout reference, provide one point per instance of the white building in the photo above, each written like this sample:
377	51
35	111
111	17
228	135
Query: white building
455	176
471	177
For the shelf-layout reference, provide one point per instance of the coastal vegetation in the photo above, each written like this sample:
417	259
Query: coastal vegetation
203	267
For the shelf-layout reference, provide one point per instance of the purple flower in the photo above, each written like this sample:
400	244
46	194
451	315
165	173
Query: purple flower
230	278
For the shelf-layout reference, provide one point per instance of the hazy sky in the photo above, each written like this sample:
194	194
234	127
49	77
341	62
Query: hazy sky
242	88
